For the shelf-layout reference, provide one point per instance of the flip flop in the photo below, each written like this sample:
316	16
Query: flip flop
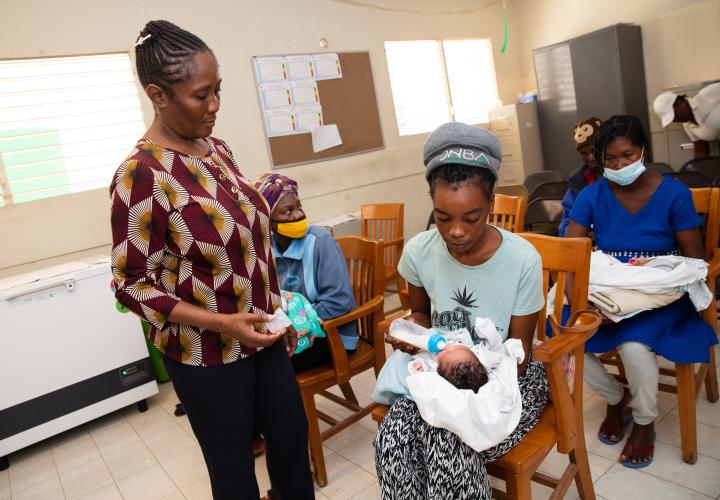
640	465
615	430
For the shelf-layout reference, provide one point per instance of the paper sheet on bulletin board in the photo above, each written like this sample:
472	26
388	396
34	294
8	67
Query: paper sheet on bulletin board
346	98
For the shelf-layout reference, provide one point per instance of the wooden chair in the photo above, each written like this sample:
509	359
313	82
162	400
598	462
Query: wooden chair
688	380
707	205
561	423
385	222
364	260
512	190
508	213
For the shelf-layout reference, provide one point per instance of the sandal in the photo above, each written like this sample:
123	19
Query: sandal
646	450
606	430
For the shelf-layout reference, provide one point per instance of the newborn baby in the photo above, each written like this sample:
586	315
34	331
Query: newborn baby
457	364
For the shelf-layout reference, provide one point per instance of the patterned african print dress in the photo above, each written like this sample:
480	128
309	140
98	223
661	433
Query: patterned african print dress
190	228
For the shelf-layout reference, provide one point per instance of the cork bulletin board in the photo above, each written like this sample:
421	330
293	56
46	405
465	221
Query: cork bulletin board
348	102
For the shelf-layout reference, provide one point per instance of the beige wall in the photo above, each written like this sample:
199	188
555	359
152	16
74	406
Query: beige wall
54	229
680	41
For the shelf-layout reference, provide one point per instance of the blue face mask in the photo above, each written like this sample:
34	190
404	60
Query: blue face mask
626	175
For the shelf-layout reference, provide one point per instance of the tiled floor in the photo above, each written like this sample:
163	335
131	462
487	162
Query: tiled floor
153	455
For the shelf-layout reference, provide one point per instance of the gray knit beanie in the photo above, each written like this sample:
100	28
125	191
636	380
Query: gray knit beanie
457	142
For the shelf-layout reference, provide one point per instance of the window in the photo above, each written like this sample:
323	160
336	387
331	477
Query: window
436	81
66	124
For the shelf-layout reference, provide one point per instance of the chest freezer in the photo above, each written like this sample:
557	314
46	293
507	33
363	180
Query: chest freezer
67	356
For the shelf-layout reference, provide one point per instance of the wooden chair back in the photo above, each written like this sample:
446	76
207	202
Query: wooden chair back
564	259
508	213
384	221
707	205
364	259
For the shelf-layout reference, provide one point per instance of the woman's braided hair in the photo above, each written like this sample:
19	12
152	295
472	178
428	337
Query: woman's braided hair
627	126
163	54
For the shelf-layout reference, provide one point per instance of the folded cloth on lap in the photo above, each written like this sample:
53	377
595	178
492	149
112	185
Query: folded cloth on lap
665	274
622	302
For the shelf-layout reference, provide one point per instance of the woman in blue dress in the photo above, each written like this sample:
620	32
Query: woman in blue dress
637	213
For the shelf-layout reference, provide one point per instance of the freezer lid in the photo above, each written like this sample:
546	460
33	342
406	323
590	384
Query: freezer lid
53	275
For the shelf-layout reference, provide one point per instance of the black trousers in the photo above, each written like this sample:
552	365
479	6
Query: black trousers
225	403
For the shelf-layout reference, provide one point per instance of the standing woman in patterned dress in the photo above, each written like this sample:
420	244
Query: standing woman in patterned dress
192	256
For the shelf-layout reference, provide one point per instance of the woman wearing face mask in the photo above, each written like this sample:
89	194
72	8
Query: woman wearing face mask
310	262
637	213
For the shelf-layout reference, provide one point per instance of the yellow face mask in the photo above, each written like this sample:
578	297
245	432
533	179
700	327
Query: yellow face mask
294	230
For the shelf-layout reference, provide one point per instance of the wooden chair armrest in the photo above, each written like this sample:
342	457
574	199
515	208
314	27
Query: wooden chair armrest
397	242
581	326
337	348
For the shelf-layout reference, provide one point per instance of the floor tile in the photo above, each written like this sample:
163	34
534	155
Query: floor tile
113	435
154	421
129	460
555	464
85	479
50	489
107	493
185	467
372	493
705	412
200	490
261	473
76	449
175	495
170	442
30	467
702	476
361	452
150	483
4	484
708	443
345	479
352	434
621	483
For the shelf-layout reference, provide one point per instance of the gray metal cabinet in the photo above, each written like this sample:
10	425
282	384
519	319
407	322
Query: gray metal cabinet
598	74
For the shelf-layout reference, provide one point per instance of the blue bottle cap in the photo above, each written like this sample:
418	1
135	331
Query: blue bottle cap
436	343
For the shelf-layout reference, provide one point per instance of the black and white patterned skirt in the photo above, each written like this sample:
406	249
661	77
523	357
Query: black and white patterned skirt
416	461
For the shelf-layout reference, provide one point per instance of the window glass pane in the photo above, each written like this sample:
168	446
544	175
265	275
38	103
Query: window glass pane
418	85
66	124
471	76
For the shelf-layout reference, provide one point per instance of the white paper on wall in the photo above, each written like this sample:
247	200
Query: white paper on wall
299	67
275	95
327	66
270	69
325	137
279	122
304	92
308	118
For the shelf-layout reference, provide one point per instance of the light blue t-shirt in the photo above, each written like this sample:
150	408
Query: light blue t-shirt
508	284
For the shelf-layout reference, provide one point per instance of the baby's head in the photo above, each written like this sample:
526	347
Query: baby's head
458	365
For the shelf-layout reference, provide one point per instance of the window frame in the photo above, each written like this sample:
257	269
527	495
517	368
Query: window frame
6	194
445	75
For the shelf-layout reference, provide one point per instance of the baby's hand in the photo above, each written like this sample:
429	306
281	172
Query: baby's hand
640	261
418	365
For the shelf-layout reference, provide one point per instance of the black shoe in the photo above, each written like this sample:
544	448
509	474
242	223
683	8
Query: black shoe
179	410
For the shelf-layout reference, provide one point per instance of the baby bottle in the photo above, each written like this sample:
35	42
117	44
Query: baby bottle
417	336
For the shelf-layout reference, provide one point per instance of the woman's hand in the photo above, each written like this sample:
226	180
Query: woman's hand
241	326
291	340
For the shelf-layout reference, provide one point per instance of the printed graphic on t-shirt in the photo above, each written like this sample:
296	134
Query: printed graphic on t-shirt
458	317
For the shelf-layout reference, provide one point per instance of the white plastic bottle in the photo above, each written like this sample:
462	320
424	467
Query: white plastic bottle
417	336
